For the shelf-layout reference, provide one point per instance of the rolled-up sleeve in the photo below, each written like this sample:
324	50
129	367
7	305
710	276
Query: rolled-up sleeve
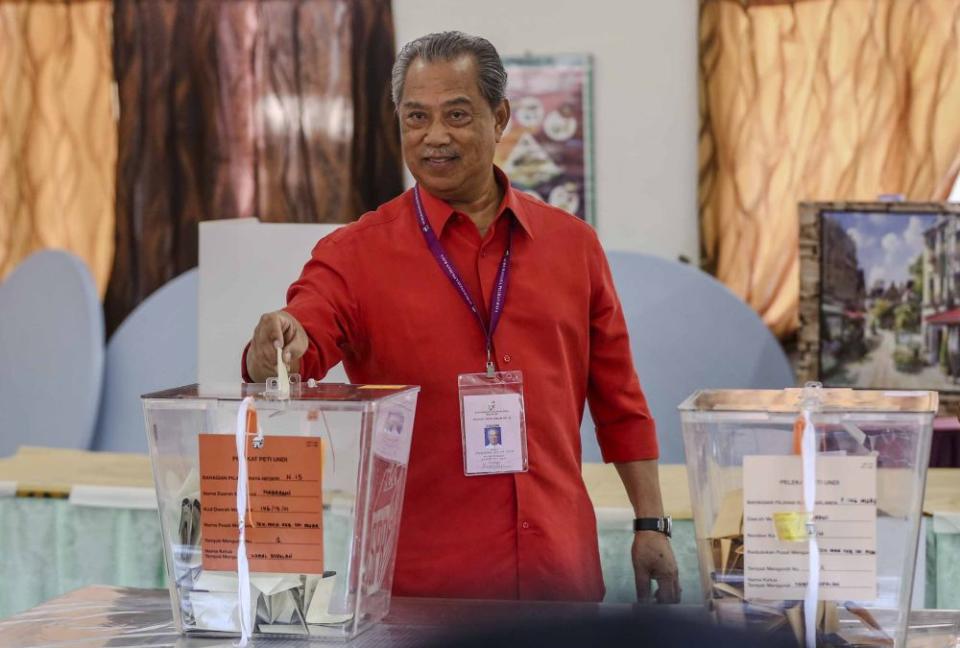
625	428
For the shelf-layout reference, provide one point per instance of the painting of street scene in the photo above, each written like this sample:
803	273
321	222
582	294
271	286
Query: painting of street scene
890	300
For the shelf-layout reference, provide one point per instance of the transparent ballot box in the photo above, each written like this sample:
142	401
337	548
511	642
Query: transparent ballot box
800	481
321	477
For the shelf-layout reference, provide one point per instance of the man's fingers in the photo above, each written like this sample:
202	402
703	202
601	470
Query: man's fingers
262	344
668	589
295	343
269	331
643	587
289	328
278	331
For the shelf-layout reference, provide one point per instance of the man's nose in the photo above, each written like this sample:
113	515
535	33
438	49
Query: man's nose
437	134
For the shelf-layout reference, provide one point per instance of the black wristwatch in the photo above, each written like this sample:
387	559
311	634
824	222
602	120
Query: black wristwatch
664	525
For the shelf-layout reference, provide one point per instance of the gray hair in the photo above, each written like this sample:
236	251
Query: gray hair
447	46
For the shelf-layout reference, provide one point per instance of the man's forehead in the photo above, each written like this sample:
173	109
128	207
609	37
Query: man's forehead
463	64
458	100
454	79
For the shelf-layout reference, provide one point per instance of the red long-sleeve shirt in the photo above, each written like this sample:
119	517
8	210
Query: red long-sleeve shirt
373	296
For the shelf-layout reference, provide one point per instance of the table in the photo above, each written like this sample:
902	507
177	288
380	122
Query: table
99	616
93	529
938	581
52	546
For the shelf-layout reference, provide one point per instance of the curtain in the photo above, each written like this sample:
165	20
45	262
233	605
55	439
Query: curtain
275	109
58	141
816	100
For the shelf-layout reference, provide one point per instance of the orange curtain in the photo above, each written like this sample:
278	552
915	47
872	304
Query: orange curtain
816	100
58	140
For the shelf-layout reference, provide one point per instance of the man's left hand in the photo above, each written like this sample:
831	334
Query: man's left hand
653	560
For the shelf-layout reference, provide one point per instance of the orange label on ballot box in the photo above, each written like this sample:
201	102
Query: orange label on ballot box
284	521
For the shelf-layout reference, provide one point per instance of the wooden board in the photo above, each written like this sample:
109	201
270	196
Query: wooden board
52	472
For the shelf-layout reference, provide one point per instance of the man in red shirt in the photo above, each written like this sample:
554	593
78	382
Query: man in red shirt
464	274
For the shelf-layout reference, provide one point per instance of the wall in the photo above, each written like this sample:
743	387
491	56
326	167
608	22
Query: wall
645	99
245	269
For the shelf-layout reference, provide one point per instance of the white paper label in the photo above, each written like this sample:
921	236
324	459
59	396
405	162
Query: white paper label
492	435
845	518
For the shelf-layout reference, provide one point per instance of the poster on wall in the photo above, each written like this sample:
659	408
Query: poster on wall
546	150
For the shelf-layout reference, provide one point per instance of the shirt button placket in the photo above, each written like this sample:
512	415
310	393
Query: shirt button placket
523	537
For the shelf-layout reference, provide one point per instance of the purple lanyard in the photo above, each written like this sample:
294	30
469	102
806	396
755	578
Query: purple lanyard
499	289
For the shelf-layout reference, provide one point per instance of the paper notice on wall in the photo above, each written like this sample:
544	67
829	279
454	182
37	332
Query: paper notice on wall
844	519
284	521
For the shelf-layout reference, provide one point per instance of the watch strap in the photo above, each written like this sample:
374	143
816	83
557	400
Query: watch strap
661	524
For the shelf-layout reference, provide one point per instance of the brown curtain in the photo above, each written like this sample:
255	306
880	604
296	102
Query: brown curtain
58	142
817	100
276	109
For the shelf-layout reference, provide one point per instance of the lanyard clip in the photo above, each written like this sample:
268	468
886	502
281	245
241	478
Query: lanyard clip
491	370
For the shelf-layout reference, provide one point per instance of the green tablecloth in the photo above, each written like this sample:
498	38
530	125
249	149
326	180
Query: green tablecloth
50	546
943	562
616	538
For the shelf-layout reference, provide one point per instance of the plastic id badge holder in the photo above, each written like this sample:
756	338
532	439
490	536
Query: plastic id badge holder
493	423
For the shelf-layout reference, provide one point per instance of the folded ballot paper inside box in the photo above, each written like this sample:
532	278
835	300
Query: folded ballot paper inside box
320	473
756	526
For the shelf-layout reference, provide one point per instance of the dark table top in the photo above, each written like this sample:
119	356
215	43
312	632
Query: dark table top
115	617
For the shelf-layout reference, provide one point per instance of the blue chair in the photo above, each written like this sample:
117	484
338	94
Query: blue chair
687	332
154	348
51	353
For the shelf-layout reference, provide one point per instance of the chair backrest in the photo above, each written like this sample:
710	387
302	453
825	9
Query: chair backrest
687	332
51	353
154	348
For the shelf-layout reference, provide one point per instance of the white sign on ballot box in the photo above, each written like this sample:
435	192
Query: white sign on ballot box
845	521
245	269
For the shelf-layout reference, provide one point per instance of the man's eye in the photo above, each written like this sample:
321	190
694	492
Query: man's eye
457	115
416	116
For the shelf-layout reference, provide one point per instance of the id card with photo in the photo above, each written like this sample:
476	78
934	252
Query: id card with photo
492	424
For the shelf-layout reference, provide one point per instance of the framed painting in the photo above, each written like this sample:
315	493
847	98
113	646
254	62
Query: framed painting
880	296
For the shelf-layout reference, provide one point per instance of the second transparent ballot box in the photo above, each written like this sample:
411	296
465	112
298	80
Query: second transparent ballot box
321	475
789	483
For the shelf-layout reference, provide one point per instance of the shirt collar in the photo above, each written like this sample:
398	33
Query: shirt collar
439	211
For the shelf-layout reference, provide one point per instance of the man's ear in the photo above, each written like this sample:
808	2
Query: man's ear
501	116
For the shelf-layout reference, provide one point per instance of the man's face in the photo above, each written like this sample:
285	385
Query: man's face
449	130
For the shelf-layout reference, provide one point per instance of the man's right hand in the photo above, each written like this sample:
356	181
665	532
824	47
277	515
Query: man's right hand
275	329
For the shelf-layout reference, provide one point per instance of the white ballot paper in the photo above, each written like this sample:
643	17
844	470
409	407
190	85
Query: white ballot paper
845	520
493	436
